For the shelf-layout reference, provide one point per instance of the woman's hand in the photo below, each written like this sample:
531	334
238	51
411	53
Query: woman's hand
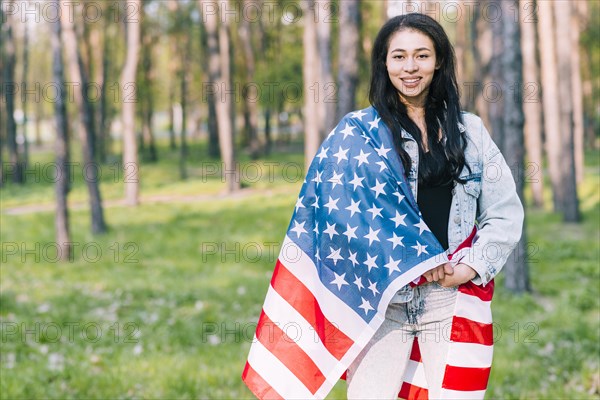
439	272
462	273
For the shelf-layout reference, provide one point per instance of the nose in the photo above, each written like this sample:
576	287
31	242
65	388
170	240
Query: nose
410	65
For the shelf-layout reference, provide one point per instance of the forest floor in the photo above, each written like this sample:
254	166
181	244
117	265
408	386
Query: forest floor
164	304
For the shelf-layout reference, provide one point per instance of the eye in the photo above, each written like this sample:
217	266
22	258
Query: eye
398	57
423	56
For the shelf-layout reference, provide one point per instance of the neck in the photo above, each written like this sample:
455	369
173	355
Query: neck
415	106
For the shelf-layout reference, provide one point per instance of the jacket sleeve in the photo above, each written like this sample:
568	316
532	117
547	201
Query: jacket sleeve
500	215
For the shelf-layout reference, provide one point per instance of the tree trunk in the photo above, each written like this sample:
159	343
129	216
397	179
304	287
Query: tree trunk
213	129
24	75
103	121
481	33
311	78
497	90
10	88
251	94
328	94
149	40
183	92
531	105
587	85
349	41
61	220
90	169
517	271
550	97
218	62
130	152
2	97
173	74
577	90
568	184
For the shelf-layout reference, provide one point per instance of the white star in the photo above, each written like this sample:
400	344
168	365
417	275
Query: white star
382	151
396	240
420	248
358	283
299	203
367	139
339	280
330	230
358	114
347	131
317	255
353	208
341	154
317	178
316	203
399	196
365	306
352	258
422	227
382	166
350	232
392	265
357	181
336	179
373	287
399	219
322	154
316	230
332	204
299	228
372	236
335	255
362	158
375	211
370	262
378	188
374	124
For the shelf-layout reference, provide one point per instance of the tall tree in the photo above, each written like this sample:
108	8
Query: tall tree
481	32
349	41
78	74
2	97
568	184
250	92
213	129
61	219
327	87
146	87
219	70
183	74
24	83
550	97
512	145
10	88
577	92
130	151
311	77
531	103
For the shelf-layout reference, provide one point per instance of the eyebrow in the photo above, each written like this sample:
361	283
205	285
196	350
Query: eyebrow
419	49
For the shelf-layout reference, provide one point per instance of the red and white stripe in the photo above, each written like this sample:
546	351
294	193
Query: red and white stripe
306	337
469	359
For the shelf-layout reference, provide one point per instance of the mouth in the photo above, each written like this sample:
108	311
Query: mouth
411	80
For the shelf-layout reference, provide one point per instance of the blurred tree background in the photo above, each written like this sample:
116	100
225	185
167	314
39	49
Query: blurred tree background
166	131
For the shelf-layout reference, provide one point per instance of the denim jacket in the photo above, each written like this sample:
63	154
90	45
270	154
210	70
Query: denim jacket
487	199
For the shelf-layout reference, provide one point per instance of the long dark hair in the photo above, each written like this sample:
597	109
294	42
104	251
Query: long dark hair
442	104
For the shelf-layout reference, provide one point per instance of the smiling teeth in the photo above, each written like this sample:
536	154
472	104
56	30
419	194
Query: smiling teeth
411	81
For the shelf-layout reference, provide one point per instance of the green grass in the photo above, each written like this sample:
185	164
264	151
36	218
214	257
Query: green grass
176	318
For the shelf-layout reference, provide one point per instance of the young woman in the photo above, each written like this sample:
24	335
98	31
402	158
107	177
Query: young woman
458	176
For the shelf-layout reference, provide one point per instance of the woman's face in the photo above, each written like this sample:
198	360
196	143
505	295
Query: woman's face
411	63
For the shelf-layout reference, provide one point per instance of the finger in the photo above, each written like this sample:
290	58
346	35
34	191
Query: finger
440	271
428	276
435	275
448	269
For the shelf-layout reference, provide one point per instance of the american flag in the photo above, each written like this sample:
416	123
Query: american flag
355	238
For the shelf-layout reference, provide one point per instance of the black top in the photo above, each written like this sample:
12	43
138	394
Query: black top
434	201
